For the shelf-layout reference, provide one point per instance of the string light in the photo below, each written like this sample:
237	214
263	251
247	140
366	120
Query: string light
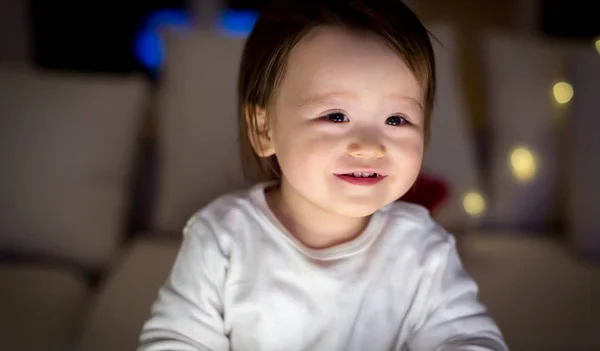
523	164
474	204
562	92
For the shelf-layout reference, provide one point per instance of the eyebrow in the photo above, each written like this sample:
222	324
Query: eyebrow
323	98
409	100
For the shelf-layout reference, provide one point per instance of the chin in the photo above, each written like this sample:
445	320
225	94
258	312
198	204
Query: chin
358	210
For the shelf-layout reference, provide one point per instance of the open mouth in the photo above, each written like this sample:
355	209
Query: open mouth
362	178
363	175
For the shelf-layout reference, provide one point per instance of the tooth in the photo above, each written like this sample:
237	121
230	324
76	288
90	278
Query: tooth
356	174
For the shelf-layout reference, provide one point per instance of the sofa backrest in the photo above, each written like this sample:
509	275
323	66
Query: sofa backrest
67	143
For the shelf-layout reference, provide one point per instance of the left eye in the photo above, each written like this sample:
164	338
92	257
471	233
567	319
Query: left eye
337	117
396	121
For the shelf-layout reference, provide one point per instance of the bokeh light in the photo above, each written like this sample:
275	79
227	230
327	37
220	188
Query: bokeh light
523	164
238	23
562	92
474	204
149	47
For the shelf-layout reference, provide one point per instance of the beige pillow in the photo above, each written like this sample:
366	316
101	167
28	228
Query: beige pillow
66	150
197	136
44	301
131	286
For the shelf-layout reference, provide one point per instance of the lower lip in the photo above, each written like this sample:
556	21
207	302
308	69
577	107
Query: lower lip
360	180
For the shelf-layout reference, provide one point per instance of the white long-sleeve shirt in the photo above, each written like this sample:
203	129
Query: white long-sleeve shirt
242	282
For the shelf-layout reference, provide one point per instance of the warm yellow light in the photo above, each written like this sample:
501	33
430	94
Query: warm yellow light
523	164
598	45
474	204
562	92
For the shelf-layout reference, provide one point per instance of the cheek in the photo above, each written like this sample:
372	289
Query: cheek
409	154
416	150
303	152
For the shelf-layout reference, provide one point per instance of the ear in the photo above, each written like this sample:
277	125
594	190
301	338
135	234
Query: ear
260	133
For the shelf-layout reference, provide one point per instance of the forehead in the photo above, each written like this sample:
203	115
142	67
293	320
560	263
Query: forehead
337	61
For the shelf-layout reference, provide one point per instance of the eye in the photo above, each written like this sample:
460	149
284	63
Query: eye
337	117
396	121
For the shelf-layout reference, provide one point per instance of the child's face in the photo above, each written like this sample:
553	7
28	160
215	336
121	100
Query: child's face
348	103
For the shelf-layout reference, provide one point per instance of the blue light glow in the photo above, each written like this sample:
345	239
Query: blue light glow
238	23
148	46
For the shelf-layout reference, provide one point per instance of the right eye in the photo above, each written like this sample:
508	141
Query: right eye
337	117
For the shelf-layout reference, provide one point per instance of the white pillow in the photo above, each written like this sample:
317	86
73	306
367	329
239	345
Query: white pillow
526	153
197	137
583	194
451	156
66	148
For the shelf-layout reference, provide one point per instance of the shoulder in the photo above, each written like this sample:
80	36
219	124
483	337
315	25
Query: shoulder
415	219
223	209
223	217
414	228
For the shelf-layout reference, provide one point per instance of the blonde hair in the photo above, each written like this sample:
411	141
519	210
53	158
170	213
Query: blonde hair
283	23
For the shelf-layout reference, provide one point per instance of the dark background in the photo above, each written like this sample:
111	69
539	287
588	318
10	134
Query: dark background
98	36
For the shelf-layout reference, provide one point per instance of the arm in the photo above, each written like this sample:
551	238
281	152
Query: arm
187	315
454	319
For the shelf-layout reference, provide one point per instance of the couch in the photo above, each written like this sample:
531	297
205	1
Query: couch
79	167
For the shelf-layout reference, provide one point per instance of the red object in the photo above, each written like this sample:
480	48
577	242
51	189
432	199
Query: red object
429	192
360	180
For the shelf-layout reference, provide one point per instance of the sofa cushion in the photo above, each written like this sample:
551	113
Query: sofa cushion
540	294
197	145
42	307
126	296
67	143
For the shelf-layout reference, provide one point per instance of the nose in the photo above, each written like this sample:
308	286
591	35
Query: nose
366	150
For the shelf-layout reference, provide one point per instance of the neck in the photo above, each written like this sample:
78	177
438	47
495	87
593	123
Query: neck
313	226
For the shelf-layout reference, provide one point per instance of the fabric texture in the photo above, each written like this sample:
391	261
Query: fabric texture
130	287
242	282
42	307
197	132
67	144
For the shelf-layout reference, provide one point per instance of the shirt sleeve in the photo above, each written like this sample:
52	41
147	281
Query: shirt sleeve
187	315
453	319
